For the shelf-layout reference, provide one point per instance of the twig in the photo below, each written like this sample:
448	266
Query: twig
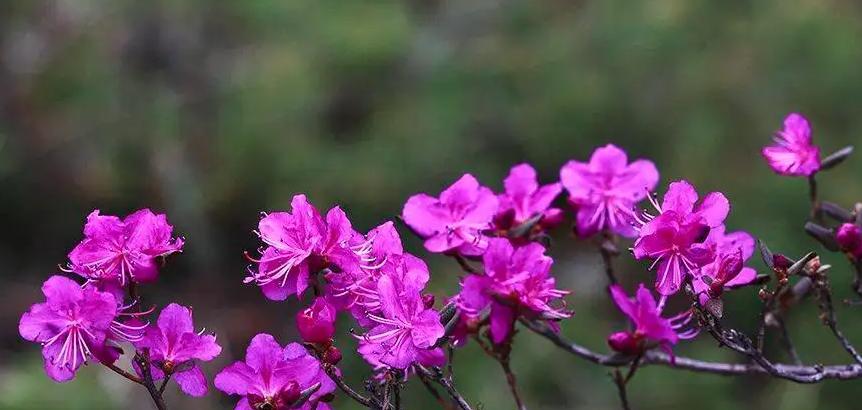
798	374
620	381
437	375
124	373
424	379
787	342
143	361
164	384
608	250
512	381
333	374
827	309
812	196
465	265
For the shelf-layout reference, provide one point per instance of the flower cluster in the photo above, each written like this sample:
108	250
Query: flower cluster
501	242
95	319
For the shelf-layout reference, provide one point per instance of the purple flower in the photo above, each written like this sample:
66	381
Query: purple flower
793	154
516	281
273	377
123	250
72	325
405	328
316	324
606	189
524	199
849	238
174	348
674	238
726	271
457	220
300	244
649	326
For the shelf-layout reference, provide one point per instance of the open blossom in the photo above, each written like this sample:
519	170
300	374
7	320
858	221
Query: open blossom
405	328
727	270
674	238
793	154
72	324
301	243
123	250
516	281
174	348
649	326
606	189
457	220
273	377
524	199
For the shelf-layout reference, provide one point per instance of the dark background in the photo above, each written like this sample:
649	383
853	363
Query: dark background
213	111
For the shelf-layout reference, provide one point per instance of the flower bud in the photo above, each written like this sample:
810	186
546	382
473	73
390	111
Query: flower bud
552	218
428	300
289	393
849	237
624	342
316	324
781	262
332	355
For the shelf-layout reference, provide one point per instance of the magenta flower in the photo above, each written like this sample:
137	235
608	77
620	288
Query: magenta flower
272	377
793	154
674	238
316	324
71	325
516	281
649	327
849	238
606	189
457	220
174	348
726	271
123	250
405	327
300	244
524	199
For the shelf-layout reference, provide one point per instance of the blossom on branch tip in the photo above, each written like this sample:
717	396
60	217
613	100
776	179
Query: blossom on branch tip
457	220
174	348
123	250
299	244
72	324
674	239
524	199
605	190
273	377
649	326
516	281
727	270
793	154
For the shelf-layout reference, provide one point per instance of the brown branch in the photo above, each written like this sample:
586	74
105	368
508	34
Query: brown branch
143	360
620	381
332	372
827	312
437	375
798	374
608	250
124	373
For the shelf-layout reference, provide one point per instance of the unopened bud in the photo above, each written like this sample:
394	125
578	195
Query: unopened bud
781	262
849	237
428	300
624	342
316	324
552	218
332	355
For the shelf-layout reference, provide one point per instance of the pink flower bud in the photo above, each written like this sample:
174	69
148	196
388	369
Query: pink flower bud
849	237
624	342
316	324
552	218
781	262
428	300
332	355
290	393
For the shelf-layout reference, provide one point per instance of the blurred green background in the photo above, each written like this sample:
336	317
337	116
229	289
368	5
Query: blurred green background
213	111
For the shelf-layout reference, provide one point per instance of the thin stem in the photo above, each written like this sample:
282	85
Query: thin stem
513	384
812	196
431	389
437	375
333	374
465	265
144	364
608	250
124	373
787	342
827	309
798	374
620	381
164	384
